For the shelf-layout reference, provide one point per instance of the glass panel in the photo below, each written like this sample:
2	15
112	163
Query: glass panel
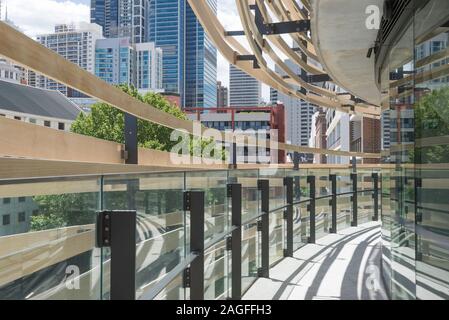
214	184
401	91
174	291
158	199
344	211
431	151
301	225
250	193
277	189
216	272
322	182
250	254
387	214
344	183
323	217
276	236
47	240
365	207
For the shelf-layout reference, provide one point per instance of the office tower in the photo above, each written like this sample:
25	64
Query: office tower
118	61
76	44
244	91
200	63
298	112
121	18
166	30
189	60
222	95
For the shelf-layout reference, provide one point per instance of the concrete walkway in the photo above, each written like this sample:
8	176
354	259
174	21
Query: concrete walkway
343	266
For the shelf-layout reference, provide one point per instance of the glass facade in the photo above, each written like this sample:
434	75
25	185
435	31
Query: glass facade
189	58
201	63
106	14
166	30
415	181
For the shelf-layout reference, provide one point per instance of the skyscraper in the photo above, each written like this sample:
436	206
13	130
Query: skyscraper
200	63
222	95
190	59
106	14
245	91
166	29
121	18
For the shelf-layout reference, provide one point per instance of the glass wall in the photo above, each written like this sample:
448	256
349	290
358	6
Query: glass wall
415	210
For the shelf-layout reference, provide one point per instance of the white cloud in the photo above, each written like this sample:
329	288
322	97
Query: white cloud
40	16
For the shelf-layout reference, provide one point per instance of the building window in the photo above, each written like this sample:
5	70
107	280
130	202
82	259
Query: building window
47	123
18	118
21	216
22	199
61	126
6	200
6	219
32	120
36	212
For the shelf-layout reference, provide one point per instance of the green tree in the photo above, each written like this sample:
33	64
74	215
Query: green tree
107	123
432	121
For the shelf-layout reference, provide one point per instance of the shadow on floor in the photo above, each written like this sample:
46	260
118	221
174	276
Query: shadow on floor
344	266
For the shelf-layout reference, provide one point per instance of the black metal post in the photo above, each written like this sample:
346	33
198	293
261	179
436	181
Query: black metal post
288	183
117	230
194	202
131	146
376	196
311	208
333	202
354	222
296	160
264	187
235	193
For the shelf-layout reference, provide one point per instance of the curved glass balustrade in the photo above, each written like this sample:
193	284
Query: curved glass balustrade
48	251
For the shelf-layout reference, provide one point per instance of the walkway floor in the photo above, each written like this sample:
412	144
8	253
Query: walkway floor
343	266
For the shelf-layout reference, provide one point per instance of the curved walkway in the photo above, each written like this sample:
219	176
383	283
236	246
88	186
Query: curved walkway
343	266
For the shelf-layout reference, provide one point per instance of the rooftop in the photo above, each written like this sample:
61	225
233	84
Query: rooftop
45	103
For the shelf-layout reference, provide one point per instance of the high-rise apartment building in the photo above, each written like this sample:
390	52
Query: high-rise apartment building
244	90
190	59
149	66
76	44
118	61
115	61
222	95
121	18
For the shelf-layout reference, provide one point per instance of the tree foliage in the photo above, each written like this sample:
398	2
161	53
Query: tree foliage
432	121
108	123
